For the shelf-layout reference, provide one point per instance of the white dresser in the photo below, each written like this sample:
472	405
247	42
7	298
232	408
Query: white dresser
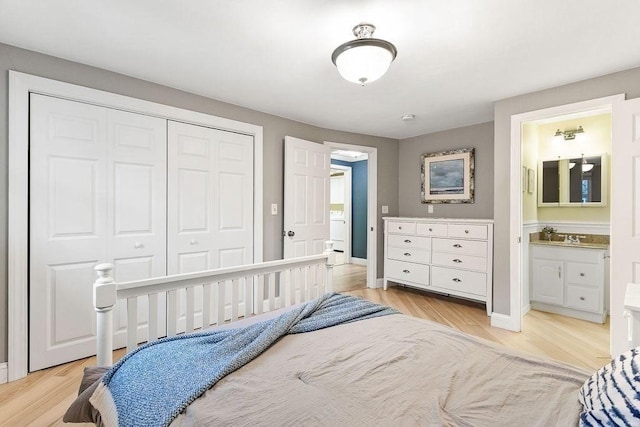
444	255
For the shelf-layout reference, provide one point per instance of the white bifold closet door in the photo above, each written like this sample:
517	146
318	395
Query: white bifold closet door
210	207
97	194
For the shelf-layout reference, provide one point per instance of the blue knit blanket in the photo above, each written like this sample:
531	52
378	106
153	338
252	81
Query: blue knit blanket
153	384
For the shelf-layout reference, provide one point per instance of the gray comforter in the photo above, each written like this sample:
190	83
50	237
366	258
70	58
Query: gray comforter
393	370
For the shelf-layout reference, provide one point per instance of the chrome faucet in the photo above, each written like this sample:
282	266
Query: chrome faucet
572	239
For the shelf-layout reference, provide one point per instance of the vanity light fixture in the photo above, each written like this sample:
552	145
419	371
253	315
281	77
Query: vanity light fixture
364	59
569	134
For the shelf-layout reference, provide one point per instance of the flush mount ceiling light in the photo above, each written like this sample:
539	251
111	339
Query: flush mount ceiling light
569	134
365	59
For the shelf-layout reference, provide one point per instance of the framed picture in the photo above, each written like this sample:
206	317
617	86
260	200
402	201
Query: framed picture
531	180
447	176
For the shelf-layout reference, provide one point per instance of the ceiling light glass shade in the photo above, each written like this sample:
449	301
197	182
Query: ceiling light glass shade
365	59
586	167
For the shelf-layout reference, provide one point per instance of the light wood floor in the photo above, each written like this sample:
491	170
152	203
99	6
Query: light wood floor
42	397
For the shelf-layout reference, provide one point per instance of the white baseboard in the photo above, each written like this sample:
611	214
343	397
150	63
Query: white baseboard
3	373
503	321
379	283
526	309
358	261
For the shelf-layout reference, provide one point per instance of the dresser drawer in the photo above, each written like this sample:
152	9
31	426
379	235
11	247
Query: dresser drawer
459	280
417	273
421	256
465	247
399	227
470	231
426	229
583	298
398	241
466	262
581	273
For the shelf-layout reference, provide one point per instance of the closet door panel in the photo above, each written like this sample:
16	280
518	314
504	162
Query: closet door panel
210	211
234	210
137	162
191	206
67	221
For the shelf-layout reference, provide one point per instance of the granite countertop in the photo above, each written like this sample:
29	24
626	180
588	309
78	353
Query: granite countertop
587	241
571	245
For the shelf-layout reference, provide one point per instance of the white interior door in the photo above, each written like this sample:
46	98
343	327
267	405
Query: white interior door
625	213
68	227
136	206
210	217
306	197
97	191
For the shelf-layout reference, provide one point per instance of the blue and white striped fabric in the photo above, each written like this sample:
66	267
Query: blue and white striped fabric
611	396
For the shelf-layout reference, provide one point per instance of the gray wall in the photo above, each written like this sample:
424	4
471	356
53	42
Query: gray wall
478	136
622	82
275	129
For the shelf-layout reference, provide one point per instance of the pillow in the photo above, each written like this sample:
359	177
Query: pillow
81	410
611	396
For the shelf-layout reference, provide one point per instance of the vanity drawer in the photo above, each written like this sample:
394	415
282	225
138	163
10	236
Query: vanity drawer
425	229
469	231
467	262
420	256
416	242
416	273
464	281
581	273
455	246
398	227
583	298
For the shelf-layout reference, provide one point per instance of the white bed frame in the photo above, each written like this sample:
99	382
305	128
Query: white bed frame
298	279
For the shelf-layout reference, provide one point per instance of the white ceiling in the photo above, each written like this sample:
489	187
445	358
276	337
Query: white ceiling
454	57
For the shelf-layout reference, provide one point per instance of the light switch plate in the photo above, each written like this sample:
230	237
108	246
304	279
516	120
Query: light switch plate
274	209
430	208
385	209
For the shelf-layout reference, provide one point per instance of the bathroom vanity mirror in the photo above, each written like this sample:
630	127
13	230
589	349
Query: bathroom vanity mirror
571	182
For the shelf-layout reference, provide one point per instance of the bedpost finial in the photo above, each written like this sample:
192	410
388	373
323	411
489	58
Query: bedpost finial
104	272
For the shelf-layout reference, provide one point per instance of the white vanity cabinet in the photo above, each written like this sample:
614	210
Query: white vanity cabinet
569	281
444	255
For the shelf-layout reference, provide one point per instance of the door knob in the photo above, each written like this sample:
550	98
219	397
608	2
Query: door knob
291	233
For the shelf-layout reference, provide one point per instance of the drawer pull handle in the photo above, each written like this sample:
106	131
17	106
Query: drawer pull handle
407	254
581	274
457	245
466	231
406	271
581	298
431	229
457	260
407	241
455	279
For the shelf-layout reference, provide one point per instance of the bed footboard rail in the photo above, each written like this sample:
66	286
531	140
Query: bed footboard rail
182	303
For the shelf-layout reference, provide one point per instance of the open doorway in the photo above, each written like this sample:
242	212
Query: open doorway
571	287
348	215
566	229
